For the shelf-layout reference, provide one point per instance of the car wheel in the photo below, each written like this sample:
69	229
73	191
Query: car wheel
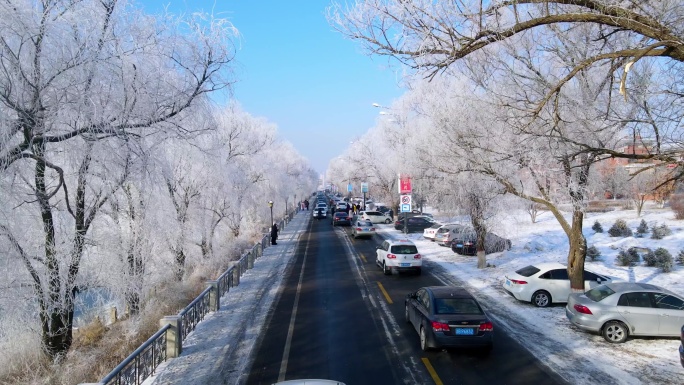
423	340
541	299
406	315
388	221
615	332
386	269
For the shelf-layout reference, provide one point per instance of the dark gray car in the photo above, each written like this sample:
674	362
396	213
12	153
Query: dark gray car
448	317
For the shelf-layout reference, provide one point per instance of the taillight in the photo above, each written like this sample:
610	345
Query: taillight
519	282
440	327
372	229
582	309
391	256
417	256
358	229
486	326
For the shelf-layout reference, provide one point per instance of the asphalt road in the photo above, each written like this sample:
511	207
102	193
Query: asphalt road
340	318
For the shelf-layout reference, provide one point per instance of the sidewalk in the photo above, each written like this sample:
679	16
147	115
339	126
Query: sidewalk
218	351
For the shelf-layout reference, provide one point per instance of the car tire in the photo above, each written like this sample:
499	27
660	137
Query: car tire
386	269
406	315
615	332
388	221
423	340
541	298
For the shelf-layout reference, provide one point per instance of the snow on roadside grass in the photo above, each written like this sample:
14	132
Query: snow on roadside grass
638	361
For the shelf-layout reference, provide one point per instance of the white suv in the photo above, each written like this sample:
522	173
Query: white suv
376	217
398	255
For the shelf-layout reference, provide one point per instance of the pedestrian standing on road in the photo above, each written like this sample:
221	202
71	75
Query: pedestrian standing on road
391	214
274	233
306	203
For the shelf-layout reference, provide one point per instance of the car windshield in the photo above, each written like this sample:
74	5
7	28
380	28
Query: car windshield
364	223
404	249
528	271
598	293
341	215
456	306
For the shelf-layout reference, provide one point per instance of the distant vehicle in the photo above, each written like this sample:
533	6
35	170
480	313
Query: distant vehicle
430	232
464	243
382	208
619	310
343	206
320	213
341	218
448	317
447	233
322	205
362	229
414	213
414	224
545	283
398	256
376	217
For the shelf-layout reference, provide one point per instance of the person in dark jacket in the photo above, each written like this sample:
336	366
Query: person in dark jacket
274	234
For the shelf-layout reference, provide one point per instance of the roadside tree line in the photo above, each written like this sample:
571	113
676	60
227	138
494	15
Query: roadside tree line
116	169
522	99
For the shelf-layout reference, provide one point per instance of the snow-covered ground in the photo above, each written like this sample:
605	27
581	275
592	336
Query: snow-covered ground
219	350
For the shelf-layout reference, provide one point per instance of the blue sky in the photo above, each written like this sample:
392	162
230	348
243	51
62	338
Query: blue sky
296	71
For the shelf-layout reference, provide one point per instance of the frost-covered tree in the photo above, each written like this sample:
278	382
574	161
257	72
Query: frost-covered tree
82	86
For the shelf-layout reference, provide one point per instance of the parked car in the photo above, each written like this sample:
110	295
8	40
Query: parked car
430	232
415	224
618	310
398	256
376	217
681	347
320	213
448	233
414	213
362	229
546	283
382	208
464	242
447	317
341	218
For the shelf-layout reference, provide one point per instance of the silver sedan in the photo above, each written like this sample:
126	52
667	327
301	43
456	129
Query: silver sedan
621	309
362	228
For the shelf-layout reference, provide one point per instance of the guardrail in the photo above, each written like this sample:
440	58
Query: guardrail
168	341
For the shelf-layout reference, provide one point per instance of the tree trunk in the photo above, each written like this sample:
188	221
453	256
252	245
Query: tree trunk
577	252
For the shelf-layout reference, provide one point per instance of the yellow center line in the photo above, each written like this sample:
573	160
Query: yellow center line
363	258
432	371
384	292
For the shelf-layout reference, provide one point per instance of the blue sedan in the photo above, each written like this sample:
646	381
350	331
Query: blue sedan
448	317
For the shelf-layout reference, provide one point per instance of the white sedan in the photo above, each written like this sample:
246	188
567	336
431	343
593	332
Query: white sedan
546	283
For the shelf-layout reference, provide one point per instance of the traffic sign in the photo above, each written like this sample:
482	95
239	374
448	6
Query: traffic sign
405	199
405	208
404	184
364	187
350	188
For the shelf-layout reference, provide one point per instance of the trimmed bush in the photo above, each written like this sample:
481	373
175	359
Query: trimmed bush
663	260
650	258
628	257
620	229
642	229
597	227
680	257
593	253
660	232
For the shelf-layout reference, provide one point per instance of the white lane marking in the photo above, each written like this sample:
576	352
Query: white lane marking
290	330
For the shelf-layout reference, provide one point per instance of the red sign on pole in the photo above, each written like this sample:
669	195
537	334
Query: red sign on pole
404	184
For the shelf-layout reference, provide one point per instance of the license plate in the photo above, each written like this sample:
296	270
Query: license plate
405	264
465	331
366	229
459	245
508	283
